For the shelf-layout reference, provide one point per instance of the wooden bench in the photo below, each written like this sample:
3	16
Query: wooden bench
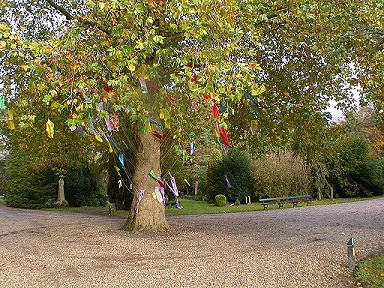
281	200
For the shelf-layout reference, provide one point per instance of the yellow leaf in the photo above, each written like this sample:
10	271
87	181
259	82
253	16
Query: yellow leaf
97	137
131	67
40	86
259	90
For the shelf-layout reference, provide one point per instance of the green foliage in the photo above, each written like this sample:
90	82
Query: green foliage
214	159
82	187
234	167
281	174
357	172
26	187
220	200
320	176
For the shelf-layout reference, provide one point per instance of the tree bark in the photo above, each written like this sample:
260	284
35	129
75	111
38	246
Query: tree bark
150	213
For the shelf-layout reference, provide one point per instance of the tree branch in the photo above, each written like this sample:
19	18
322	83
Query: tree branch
376	33
68	16
60	9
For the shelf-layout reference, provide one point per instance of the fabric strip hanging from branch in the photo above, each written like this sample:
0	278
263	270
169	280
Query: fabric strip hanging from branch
49	127
2	102
174	186
141	196
121	159
11	125
229	186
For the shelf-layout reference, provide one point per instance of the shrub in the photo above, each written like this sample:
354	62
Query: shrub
232	176
281	174
62	204
357	173
83	188
25	187
214	160
220	200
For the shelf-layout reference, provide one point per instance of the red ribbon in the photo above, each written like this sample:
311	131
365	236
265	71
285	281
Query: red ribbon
107	89
158	135
215	111
224	136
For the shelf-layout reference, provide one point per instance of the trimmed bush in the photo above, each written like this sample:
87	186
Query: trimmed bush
220	200
232	176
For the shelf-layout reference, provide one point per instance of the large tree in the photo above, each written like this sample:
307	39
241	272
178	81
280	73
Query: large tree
156	63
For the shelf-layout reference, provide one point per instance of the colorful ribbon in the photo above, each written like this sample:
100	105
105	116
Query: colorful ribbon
152	174
115	122
229	186
254	126
175	191
165	115
2	102
192	148
215	111
121	159
141	196
49	127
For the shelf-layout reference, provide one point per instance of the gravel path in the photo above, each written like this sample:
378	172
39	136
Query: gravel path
300	247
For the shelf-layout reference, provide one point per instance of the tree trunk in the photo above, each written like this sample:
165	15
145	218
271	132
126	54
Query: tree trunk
150	213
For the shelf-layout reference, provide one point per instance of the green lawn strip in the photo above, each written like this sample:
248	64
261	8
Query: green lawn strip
193	207
370	272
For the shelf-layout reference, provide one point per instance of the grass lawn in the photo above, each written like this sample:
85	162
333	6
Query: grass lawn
192	207
370	272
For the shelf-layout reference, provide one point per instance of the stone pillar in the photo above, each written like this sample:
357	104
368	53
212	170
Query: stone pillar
60	194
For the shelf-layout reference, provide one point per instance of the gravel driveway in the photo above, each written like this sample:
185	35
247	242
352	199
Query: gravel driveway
300	247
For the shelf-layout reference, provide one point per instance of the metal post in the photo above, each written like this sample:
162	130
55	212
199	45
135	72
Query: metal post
351	253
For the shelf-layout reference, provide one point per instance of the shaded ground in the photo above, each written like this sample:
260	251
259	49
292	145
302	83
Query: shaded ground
301	247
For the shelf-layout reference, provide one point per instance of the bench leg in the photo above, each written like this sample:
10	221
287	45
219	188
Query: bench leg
265	206
294	204
281	205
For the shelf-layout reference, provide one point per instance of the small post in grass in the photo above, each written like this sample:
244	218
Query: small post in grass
351	253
